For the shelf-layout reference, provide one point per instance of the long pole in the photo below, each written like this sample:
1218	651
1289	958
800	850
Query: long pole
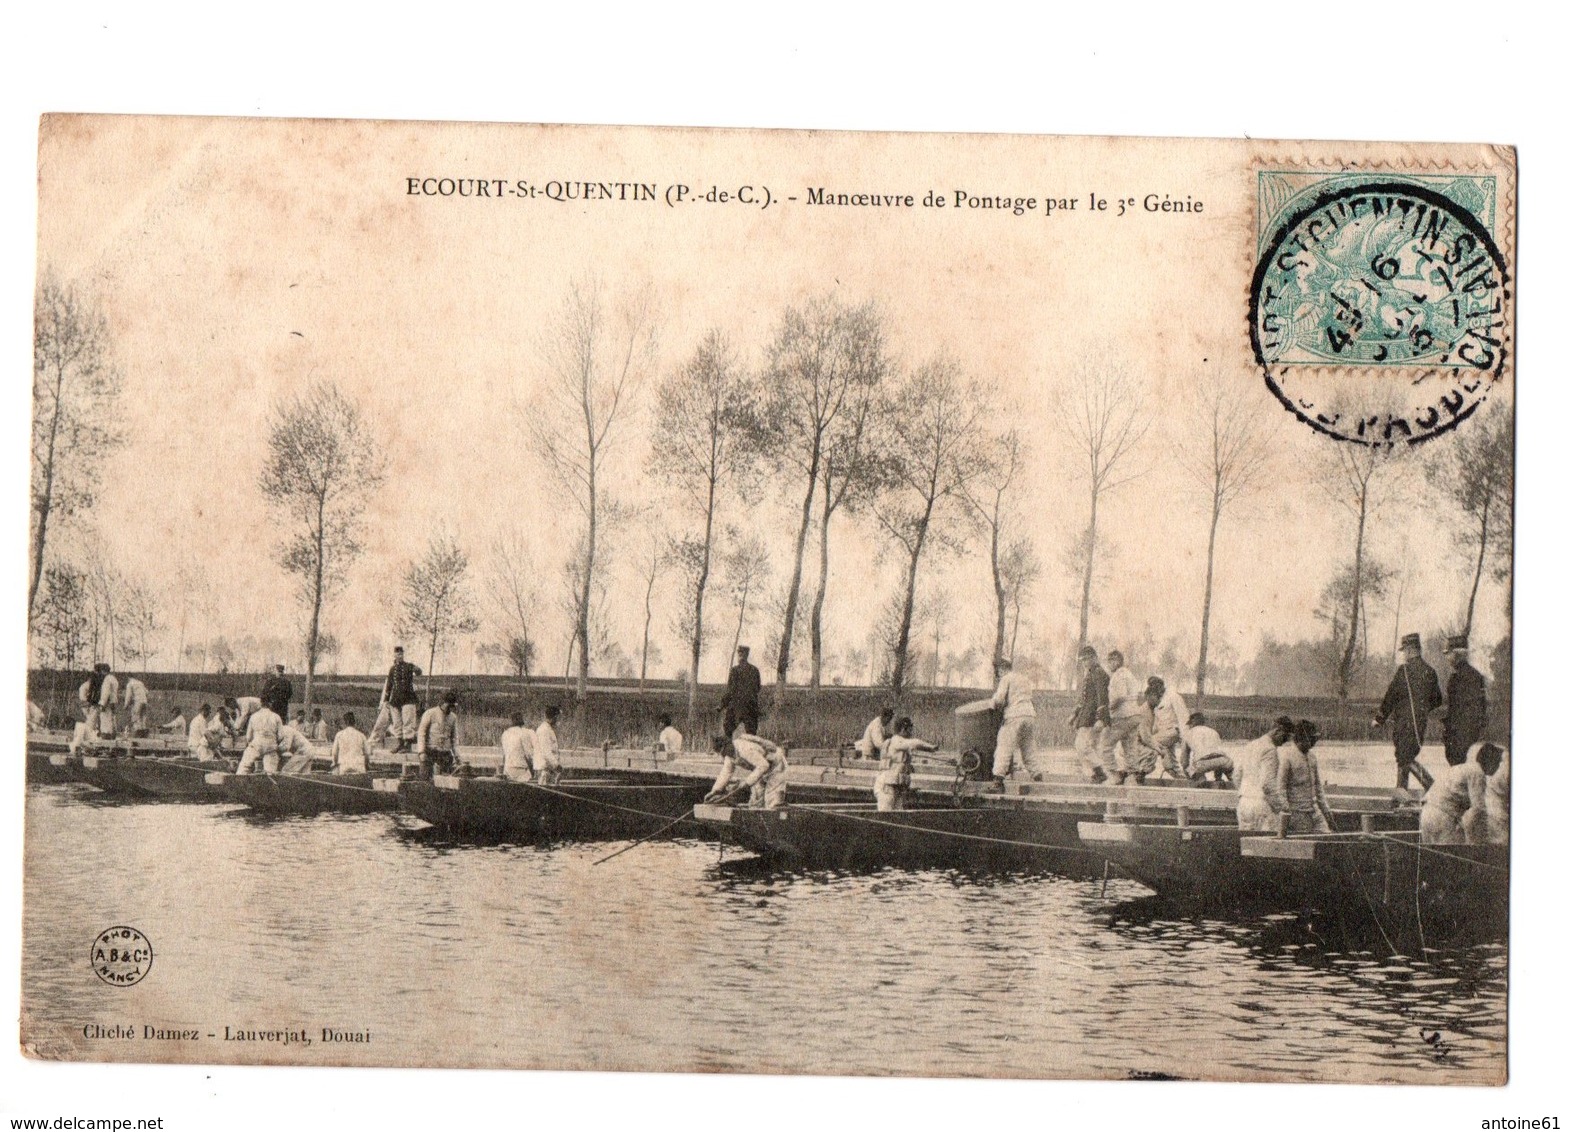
669	825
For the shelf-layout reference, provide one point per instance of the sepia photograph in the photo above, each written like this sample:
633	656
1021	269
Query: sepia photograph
789	602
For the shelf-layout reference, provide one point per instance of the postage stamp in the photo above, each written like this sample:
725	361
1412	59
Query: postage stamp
1379	304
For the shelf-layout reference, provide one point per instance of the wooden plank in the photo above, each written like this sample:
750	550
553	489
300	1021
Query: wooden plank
1279	848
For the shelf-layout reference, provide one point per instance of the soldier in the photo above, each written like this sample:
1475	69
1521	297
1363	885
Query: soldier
277	692
740	702
436	740
400	701
1013	749
1466	704
1091	716
1413	694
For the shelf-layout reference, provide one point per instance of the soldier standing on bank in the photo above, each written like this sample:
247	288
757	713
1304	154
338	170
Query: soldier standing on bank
1467	706
1413	694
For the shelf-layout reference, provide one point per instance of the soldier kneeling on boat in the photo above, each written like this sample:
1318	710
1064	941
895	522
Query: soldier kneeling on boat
767	777
1470	802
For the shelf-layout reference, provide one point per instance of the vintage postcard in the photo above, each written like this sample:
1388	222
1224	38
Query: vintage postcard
770	602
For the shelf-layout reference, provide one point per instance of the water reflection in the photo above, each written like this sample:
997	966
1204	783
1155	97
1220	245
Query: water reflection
673	956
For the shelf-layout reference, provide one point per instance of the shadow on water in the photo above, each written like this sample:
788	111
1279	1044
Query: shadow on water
749	869
1437	996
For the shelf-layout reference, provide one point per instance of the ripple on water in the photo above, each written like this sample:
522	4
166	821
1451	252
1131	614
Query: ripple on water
533	956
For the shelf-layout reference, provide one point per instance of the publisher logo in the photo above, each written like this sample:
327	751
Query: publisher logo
121	956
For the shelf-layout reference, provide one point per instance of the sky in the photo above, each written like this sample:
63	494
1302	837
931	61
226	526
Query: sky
239	262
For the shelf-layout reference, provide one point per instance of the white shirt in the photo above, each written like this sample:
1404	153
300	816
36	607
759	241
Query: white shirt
517	749
1172	713
109	692
873	739
35	716
438	731
291	742
135	693
81	693
248	705
1014	696
319	730
1203	741
1123	694
196	737
1255	771
544	753
262	730
350	746
898	753
671	741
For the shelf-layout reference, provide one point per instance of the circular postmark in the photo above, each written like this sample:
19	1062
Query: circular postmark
121	956
1379	313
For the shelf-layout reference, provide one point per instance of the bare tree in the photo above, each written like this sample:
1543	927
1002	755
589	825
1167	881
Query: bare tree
1018	570
746	574
61	624
823	356
707	442
1473	466
989	497
75	385
852	474
941	451
322	466
513	595
652	563
595	357
192	594
1231	457
142	619
1104	422
436	601
1357	478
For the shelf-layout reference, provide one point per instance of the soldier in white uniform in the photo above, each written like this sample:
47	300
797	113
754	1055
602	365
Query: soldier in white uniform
1454	803
351	750
543	755
1126	709
135	703
198	741
517	750
436	740
894	777
1497	802
1256	770
875	735
670	740
87	696
1013	695
1206	754
261	740
1170	725
108	696
292	744
240	712
767	768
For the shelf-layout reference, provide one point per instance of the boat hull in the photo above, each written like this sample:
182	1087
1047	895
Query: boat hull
183	778
1416	895
47	768
497	809
305	793
859	836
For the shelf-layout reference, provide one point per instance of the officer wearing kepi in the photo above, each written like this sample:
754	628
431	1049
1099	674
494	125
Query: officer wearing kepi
1467	706
1413	694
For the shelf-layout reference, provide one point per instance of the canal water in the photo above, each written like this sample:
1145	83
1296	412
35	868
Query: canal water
676	957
